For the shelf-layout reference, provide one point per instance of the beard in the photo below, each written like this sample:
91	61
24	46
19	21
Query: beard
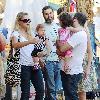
49	20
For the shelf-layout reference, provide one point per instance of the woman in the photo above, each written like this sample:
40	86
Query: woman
26	45
15	6
2	42
88	83
2	49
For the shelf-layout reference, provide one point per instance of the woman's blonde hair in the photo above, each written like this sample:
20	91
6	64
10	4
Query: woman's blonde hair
17	25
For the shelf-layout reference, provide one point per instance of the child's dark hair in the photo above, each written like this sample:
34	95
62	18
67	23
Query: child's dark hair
39	26
65	19
61	9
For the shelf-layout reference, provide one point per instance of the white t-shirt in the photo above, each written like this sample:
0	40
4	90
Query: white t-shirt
51	31
25	52
79	43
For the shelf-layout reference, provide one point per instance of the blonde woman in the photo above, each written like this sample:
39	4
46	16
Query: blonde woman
26	45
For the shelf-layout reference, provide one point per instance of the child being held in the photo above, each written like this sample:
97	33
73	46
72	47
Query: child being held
40	47
64	33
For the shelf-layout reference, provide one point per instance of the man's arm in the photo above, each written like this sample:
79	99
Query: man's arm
72	42
63	46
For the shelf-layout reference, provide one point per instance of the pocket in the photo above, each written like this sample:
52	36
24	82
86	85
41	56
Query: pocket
79	77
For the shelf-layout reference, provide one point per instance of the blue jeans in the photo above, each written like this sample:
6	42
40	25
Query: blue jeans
70	85
54	79
27	74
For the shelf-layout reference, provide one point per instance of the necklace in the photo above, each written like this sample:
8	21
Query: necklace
24	34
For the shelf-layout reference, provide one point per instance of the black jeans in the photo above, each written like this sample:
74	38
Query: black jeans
70	85
27	74
8	94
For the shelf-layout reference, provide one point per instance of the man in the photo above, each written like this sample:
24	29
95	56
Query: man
3	37
52	62
73	73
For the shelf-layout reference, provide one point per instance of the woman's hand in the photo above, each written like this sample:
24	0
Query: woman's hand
34	41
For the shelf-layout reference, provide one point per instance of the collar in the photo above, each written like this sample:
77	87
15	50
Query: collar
40	37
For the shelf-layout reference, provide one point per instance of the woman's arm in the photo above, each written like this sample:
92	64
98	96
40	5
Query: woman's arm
16	44
89	54
89	51
2	39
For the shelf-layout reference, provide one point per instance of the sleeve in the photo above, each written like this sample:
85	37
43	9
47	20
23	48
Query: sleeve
75	39
15	34
34	33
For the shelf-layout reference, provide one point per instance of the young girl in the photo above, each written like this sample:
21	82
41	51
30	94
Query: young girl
64	33
40	48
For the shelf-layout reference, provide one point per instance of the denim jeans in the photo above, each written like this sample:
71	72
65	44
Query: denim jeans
54	79
70	85
27	74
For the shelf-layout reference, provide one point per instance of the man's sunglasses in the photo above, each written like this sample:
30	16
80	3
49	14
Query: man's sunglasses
25	20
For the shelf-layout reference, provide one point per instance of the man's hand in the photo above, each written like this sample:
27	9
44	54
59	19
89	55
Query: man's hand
63	46
60	46
42	54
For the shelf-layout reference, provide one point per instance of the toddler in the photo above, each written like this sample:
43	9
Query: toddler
39	47
64	33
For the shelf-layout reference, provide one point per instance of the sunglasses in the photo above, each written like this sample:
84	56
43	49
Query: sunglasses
25	20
